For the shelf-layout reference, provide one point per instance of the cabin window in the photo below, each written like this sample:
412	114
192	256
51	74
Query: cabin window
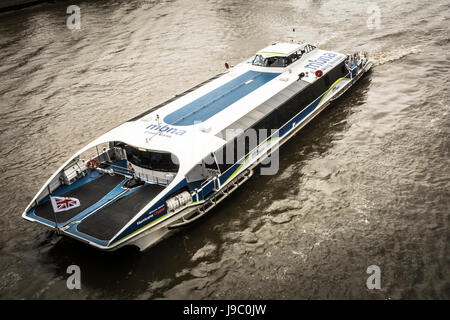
158	161
327	80
295	56
259	61
210	162
344	71
275	62
221	156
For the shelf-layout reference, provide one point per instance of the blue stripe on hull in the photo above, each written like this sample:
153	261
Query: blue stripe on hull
219	99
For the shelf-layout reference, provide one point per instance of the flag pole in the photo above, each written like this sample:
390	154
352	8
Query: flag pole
53	209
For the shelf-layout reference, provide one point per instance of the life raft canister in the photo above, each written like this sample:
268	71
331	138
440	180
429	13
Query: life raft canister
319	73
92	164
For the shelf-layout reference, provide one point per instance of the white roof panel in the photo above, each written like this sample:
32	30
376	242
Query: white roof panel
280	49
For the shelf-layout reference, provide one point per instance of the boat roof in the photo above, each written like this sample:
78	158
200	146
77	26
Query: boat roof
282	49
191	126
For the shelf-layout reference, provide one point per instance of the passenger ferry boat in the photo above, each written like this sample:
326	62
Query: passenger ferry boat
171	165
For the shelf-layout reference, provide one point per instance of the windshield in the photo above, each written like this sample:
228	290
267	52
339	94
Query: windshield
158	161
259	61
276	62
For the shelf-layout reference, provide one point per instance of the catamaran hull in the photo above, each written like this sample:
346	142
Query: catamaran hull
134	196
189	215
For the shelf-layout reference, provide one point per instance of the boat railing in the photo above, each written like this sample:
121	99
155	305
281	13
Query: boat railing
153	179
308	48
355	62
119	169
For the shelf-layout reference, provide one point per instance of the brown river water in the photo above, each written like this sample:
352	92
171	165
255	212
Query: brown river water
365	183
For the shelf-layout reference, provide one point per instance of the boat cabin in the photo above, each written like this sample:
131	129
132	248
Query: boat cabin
280	55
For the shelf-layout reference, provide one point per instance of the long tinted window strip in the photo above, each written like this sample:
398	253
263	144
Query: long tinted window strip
222	155
343	69
235	143
210	163
159	161
338	72
290	108
280	115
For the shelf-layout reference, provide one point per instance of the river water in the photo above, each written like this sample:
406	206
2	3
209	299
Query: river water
366	183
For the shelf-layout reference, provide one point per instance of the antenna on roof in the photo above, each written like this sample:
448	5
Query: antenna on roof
159	126
291	38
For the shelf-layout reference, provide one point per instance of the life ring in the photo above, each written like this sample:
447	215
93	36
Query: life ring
92	164
319	73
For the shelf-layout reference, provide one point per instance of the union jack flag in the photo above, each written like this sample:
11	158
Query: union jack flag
64	203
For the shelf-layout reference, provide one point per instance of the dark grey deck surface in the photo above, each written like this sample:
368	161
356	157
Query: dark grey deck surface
88	194
105	223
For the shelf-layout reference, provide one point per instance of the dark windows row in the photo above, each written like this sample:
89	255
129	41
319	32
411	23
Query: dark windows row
245	142
158	161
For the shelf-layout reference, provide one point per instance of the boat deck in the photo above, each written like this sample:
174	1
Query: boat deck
219	99
106	222
88	194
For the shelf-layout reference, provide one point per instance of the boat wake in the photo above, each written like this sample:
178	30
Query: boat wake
382	57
